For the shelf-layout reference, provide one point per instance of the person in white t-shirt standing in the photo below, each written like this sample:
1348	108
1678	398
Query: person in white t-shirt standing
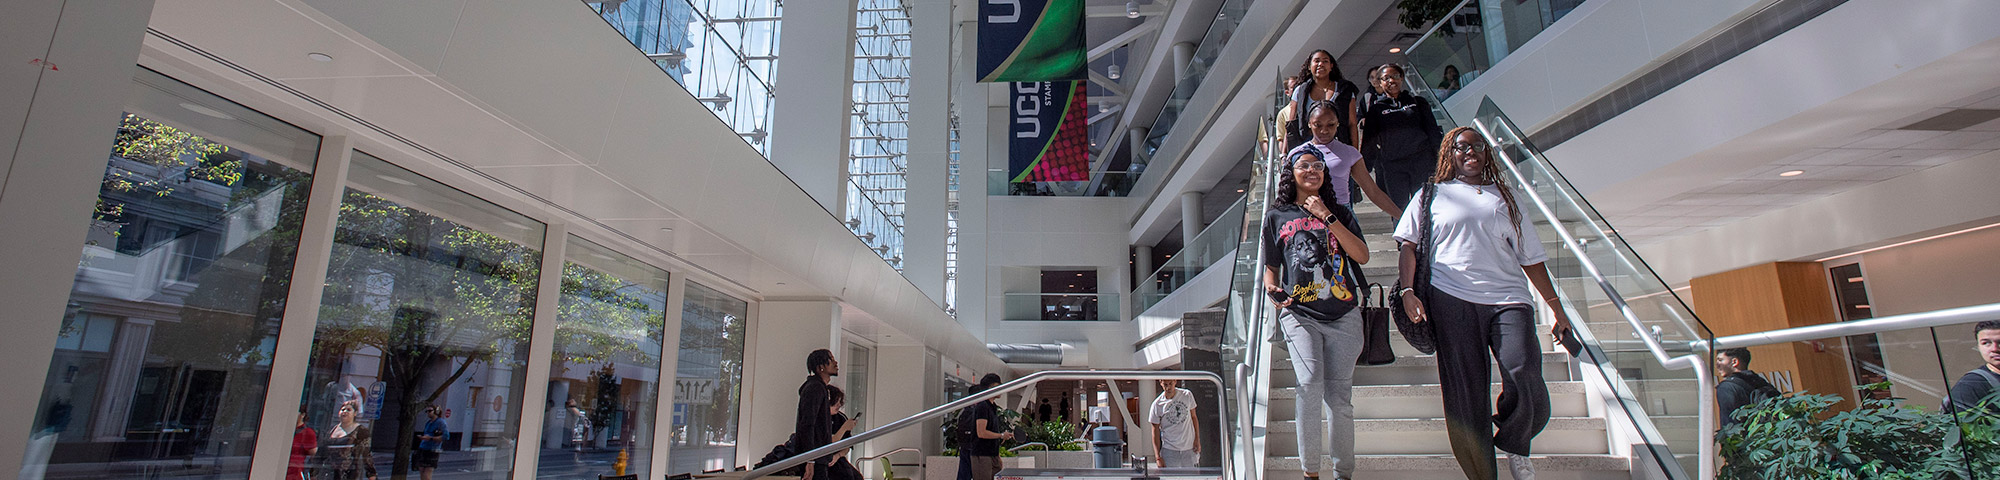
1176	436
1485	259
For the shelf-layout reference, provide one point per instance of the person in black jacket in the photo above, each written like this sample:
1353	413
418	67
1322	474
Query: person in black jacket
1320	80
980	456
842	469
814	426
1399	136
1739	386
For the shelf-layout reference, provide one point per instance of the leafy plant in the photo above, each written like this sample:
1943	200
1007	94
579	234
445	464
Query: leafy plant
1418	13
1794	436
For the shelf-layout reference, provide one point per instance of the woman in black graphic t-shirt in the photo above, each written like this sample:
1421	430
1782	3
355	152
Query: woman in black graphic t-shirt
1306	278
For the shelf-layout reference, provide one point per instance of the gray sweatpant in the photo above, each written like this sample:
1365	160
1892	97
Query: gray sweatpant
1323	355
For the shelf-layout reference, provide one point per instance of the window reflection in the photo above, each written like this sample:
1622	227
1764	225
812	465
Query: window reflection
707	395
604	377
164	352
429	300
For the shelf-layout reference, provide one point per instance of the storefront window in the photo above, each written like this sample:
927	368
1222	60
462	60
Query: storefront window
707	389
604	377
164	353
429	301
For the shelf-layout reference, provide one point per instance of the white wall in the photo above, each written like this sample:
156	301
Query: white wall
1028	233
1595	48
809	133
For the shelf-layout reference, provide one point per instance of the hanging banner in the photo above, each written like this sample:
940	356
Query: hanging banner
1051	133
1031	41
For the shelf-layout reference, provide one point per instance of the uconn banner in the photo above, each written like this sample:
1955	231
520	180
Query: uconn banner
1031	41
1050	139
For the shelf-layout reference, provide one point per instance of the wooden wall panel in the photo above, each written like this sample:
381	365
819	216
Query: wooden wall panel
1775	296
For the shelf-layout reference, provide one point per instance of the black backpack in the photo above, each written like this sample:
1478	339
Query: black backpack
966	425
779	454
1760	389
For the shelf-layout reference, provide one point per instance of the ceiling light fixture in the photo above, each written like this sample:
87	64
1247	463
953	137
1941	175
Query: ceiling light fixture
1131	8
319	57
1792	173
1112	71
1395	49
667	229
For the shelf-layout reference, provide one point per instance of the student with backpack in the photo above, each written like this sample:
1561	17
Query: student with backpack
1973	388
1740	387
980	433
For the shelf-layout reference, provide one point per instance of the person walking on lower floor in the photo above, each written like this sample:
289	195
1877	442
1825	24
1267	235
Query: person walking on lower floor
1484	260
1176	435
1308	278
1740	387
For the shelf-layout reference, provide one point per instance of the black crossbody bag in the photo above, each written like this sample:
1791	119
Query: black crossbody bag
1420	335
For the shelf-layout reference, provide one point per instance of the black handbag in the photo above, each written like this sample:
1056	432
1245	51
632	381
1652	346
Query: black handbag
1375	348
1420	335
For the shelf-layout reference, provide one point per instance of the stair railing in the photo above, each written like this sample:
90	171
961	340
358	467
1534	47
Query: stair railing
1018	384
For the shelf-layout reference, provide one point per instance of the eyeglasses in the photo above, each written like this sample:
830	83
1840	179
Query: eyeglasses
1468	147
1309	166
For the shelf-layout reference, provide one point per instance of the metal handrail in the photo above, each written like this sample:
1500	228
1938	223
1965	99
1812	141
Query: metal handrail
891	452
996	392
1705	403
1935	318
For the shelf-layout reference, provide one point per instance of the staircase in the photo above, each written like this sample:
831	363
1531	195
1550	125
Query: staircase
1399	419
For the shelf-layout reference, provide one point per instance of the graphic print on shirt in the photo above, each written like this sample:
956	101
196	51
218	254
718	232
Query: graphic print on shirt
1176	413
1305	241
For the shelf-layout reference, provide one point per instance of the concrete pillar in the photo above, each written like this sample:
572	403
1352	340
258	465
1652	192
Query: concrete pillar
783	332
897	370
1143	443
69	64
1142	265
813	101
929	147
974	155
1183	57
1190	219
1138	144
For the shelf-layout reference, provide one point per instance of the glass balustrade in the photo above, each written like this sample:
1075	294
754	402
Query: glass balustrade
1213	245
1060	307
1476	35
1189	79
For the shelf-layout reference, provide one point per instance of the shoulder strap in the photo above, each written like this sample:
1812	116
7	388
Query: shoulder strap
1426	250
1992	379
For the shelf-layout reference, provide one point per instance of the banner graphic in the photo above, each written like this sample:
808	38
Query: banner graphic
1031	41
1051	134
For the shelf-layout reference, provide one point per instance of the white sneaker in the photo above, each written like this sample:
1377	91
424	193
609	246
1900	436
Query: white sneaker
1523	467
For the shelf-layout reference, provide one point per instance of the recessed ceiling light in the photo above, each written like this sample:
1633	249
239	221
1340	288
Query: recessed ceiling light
396	180
1792	173
1239	190
667	229
1395	49
207	111
319	57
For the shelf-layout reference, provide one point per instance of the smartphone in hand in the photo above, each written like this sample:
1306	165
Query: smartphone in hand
1277	296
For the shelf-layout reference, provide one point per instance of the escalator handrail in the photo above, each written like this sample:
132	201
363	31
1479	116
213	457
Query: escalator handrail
1934	318
995	392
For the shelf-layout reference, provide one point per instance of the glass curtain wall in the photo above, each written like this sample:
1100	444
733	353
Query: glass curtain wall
429	301
951	222
604	376
878	134
724	52
164	354
707	381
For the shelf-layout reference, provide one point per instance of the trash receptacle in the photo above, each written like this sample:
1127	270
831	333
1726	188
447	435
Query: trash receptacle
1104	441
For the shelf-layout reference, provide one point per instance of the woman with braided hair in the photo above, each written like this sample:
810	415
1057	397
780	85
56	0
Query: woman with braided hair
1484	259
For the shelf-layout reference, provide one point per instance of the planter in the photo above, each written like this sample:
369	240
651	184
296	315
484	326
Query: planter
946	468
1062	459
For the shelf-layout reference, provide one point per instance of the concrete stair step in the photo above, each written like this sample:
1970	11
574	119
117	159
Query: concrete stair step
1567	399
1445	467
1414	369
1426	436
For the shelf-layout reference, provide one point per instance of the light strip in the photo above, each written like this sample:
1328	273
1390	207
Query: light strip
1899	244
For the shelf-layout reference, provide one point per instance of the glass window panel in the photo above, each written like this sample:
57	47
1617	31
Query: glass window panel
429	300
604	377
707	396
163	357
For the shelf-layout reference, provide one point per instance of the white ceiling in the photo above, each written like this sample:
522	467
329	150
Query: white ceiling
541	108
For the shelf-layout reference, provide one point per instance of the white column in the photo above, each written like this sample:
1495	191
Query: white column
898	370
1144	440
301	321
1142	265
786	331
541	349
974	152
1137	145
670	357
55	132
809	133
1190	219
929	147
1183	57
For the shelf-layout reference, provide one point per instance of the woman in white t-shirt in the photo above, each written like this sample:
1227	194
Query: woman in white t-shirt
1485	259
